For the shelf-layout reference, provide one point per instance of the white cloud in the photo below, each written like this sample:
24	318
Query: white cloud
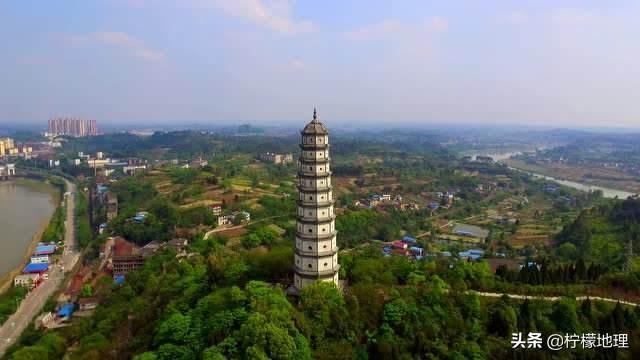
515	18
297	64
132	45
377	31
389	28
275	14
573	17
438	24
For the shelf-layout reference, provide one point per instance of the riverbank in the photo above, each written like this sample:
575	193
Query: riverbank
6	279
610	189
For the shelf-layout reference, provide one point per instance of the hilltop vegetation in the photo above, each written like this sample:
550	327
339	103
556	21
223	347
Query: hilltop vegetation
602	234
217	305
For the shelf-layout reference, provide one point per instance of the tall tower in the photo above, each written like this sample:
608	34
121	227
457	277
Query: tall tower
316	254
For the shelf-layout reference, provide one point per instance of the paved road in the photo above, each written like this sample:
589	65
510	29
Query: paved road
35	300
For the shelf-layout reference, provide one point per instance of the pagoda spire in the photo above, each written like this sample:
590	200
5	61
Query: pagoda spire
315	114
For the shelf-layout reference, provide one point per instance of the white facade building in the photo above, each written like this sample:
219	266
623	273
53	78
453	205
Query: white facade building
40	259
26	280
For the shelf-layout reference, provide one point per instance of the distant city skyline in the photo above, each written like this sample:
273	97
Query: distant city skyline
269	62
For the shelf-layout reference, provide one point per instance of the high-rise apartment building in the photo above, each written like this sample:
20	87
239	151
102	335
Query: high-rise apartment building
72	127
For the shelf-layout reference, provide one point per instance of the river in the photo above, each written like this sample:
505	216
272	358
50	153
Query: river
606	192
25	207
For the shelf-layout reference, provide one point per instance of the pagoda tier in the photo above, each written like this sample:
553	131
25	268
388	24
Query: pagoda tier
316	252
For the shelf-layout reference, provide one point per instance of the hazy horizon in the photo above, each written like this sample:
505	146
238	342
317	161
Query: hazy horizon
541	64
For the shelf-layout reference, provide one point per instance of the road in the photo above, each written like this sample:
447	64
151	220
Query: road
551	298
219	229
35	300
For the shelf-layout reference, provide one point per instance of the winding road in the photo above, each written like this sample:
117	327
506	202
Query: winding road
35	300
551	298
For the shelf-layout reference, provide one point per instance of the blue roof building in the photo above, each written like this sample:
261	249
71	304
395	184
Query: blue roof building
118	279
140	216
45	250
33	268
468	255
409	239
66	310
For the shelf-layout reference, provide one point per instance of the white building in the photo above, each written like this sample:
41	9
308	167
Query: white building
40	259
316	252
26	280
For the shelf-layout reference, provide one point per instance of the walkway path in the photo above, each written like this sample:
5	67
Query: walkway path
35	300
551	298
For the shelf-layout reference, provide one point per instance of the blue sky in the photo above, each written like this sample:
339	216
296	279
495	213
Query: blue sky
569	63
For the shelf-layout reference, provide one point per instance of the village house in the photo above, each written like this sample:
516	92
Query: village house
112	206
216	209
178	244
278	159
27	280
87	304
242	217
40	259
125	257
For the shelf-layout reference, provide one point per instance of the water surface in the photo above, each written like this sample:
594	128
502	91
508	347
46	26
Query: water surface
24	208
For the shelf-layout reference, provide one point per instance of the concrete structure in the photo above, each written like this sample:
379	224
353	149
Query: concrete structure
238	217
216	210
44	250
9	147
72	127
471	231
278	159
7	170
40	259
86	304
316	252
126	257
32	268
112	206
26	280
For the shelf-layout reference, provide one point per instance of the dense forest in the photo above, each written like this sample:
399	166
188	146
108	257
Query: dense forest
225	304
603	234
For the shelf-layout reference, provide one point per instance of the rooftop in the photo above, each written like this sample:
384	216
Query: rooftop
315	127
470	230
35	268
45	250
122	247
